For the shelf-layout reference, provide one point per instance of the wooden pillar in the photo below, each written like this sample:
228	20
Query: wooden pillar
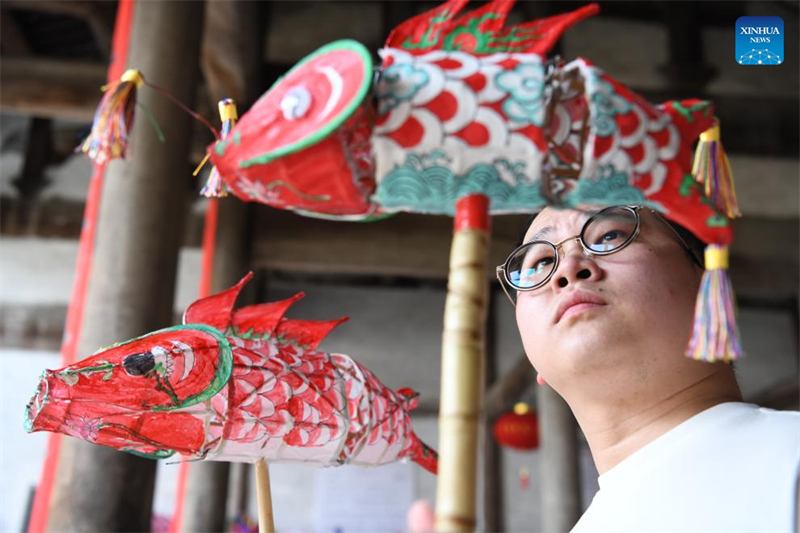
133	280
32	179
686	69
560	481
493	497
233	41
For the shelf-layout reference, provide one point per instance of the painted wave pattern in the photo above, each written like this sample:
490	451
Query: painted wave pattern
425	184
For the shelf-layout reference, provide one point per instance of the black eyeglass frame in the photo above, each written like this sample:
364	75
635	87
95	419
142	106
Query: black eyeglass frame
634	209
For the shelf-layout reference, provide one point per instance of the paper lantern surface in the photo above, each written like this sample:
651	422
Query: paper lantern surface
458	108
612	147
232	385
304	143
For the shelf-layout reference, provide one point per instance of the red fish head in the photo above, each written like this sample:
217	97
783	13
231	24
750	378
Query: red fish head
145	396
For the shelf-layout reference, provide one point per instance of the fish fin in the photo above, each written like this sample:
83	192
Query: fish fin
540	35
307	332
263	319
441	29
692	116
410	398
414	28
423	455
499	8
215	310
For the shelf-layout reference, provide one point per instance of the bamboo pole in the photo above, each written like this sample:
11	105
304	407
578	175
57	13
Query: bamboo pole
266	522
463	347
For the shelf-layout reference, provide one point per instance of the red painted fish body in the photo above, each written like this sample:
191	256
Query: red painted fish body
232	385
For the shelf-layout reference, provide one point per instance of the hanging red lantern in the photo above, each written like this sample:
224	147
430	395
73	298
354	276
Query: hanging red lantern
518	429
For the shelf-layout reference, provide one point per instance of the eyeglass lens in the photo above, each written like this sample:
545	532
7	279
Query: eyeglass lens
606	232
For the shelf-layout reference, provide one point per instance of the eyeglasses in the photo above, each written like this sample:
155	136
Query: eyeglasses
608	231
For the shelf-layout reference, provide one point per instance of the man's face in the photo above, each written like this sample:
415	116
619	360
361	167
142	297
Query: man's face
617	321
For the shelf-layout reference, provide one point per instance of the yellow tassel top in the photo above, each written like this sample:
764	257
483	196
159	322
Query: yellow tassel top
227	110
716	257
711	134
133	75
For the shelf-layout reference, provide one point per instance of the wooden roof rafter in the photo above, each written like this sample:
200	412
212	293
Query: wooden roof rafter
98	15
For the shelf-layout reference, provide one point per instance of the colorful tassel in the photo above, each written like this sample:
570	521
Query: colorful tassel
713	170
715	336
113	119
215	186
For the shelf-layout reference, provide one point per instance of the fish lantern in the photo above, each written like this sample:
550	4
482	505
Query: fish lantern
456	107
239	385
518	429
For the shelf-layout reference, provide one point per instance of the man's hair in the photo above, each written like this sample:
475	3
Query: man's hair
696	251
696	247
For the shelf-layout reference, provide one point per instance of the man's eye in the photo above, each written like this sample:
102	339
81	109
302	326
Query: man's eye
537	264
543	263
610	236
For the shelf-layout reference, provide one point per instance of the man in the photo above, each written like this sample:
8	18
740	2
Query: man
604	320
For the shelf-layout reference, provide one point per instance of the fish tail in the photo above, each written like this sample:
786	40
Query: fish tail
424	455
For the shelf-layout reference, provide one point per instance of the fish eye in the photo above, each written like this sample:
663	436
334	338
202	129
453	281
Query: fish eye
139	364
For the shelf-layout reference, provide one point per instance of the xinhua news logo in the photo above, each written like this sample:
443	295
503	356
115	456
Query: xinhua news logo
759	41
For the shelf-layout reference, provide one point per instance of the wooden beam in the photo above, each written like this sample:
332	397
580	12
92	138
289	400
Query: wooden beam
56	7
686	66
764	257
12	41
766	187
395	13
710	13
51	88
98	15
68	89
101	20
231	56
403	245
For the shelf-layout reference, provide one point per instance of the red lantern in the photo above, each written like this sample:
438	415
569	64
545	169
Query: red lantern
518	429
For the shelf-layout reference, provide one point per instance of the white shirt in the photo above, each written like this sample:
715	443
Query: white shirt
733	467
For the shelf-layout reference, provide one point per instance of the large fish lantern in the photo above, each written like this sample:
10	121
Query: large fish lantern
460	105
457	106
231	385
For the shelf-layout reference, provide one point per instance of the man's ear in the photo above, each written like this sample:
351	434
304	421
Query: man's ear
540	380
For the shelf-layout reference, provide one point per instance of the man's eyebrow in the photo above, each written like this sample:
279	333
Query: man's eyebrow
541	233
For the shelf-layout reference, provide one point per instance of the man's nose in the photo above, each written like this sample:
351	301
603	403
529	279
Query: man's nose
575	265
